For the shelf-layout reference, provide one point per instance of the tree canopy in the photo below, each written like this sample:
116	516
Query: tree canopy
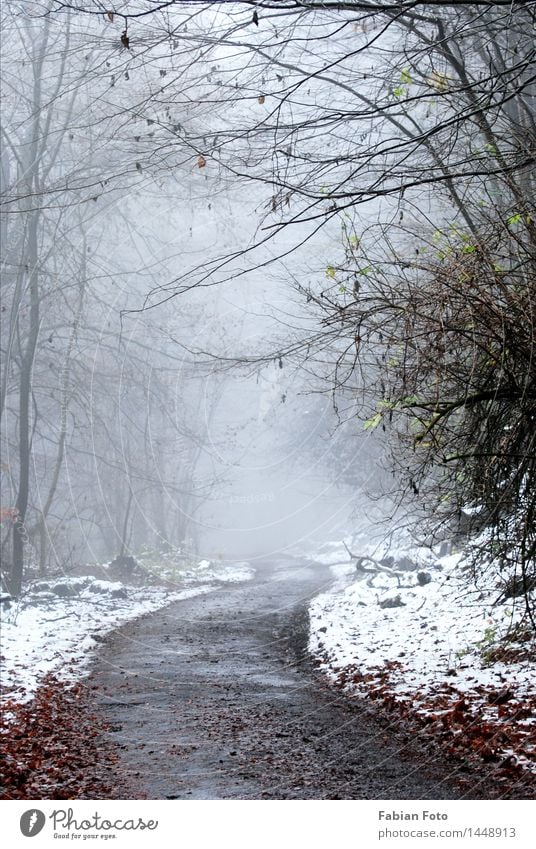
407	133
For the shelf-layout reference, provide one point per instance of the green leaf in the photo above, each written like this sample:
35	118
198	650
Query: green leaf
405	76
373	422
399	91
330	271
439	81
515	219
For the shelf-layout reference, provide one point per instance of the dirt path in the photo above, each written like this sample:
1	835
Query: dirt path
214	698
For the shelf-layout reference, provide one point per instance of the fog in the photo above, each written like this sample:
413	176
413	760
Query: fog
267	405
169	380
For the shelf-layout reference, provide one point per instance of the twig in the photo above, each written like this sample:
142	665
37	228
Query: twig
57	619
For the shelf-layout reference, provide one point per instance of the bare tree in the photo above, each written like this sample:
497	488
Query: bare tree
410	127
70	260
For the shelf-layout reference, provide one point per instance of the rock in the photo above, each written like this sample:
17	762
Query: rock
36	599
388	561
124	565
405	564
64	590
68	587
97	587
423	578
113	589
393	601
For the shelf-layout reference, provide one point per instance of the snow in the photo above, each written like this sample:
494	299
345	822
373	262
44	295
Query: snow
57	629
435	642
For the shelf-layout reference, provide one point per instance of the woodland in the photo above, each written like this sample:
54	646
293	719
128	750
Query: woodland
394	141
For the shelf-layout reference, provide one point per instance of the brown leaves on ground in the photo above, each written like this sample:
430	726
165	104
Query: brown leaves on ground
52	747
477	726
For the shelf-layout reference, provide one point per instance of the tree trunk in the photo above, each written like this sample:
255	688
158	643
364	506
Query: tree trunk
124	540
31	177
25	389
64	403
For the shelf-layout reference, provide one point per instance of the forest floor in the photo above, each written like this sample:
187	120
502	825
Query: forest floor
454	655
217	697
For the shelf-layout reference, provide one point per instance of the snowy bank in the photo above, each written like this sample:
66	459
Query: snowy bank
430	644
56	626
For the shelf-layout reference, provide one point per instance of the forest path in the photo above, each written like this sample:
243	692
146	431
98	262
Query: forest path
214	697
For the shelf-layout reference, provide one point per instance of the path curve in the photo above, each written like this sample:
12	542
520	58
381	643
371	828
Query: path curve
214	697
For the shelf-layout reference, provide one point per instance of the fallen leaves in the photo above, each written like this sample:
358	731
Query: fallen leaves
52	747
495	727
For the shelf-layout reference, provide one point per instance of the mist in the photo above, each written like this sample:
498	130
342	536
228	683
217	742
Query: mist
166	331
267	399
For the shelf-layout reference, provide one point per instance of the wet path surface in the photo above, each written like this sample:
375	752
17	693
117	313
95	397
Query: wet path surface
215	698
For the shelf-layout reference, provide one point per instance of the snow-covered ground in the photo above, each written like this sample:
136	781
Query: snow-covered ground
429	642
58	623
